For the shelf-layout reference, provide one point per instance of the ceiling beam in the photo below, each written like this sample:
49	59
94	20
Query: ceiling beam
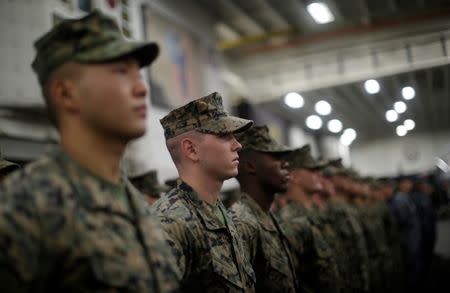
432	97
420	97
234	16
295	14
446	96
264	13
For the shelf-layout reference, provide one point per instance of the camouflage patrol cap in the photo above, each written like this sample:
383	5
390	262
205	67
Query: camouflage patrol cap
257	138
301	158
94	38
7	166
148	183
205	115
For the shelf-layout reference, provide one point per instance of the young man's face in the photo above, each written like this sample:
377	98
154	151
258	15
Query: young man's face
307	179
218	155
271	171
112	98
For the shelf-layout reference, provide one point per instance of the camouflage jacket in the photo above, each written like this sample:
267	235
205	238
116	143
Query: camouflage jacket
346	224
269	251
210	253
316	266
61	230
376	246
393	263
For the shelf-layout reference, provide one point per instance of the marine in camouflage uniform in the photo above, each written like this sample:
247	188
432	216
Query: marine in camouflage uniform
316	263
392	264
209	251
262	173
149	186
374	235
344	221
62	227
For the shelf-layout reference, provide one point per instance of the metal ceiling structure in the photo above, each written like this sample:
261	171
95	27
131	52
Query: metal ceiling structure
276	47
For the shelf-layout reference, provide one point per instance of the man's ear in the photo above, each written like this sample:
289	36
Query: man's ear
189	149
65	94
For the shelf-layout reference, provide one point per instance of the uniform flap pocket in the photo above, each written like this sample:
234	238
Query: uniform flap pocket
110	272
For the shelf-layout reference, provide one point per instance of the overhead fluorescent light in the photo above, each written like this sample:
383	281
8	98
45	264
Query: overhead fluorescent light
294	100
372	86
314	122
320	12
335	126
323	108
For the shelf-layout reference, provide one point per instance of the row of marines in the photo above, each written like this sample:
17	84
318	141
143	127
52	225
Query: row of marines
71	221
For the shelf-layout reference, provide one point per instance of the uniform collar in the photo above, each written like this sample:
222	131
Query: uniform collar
264	218
202	208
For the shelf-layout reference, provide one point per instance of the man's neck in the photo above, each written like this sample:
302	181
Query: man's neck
207	188
263	197
97	154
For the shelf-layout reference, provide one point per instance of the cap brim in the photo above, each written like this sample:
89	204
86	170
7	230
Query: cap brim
144	53
273	147
7	166
226	124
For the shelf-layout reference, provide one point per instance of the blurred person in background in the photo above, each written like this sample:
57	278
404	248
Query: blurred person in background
421	196
147	183
407	217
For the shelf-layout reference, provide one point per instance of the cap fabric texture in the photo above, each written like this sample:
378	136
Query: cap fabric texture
95	38
257	138
205	115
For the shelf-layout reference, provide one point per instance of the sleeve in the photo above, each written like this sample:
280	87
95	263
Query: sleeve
177	238
19	239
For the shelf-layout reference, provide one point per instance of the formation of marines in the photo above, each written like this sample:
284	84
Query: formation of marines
73	222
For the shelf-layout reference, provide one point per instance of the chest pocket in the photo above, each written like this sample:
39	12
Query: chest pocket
274	253
223	262
114	253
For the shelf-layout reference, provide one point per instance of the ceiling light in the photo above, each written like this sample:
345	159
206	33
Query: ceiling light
348	136
345	140
391	116
372	86
323	108
409	124
351	133
335	126
400	107
320	12
401	130
408	93
294	100
314	122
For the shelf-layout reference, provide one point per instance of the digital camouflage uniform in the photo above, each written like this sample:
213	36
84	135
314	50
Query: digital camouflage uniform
392	266
316	266
346	224
63	229
261	232
311	236
208	249
376	246
267	245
